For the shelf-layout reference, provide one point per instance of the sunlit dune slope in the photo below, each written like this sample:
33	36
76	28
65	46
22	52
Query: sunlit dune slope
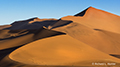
102	40
59	50
4	26
97	19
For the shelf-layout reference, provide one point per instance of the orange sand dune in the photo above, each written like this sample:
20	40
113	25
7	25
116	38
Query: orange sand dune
59	50
98	39
97	19
90	36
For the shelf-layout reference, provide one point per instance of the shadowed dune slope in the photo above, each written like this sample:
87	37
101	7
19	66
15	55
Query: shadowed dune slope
97	19
31	24
104	41
36	23
59	50
13	38
82	13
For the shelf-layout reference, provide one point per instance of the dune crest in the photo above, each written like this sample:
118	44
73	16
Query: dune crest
4	26
92	10
39	20
97	19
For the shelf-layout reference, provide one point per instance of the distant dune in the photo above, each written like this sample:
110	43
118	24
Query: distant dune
90	38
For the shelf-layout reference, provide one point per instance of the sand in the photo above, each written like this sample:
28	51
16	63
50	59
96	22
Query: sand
97	19
102	40
89	37
4	26
60	50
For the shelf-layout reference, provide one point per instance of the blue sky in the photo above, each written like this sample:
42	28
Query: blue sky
13	10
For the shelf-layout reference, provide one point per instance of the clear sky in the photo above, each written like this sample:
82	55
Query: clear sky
13	10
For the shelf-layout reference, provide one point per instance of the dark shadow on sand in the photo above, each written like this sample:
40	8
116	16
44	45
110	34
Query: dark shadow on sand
5	52
20	25
98	29
31	26
115	55
82	13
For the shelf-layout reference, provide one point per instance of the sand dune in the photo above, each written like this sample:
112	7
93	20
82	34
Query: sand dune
36	23
31	24
16	38
98	39
59	50
97	19
91	36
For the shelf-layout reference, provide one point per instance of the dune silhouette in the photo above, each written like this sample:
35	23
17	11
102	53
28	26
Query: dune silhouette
91	36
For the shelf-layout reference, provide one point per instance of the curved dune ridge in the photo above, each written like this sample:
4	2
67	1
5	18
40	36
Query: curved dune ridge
91	36
59	50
